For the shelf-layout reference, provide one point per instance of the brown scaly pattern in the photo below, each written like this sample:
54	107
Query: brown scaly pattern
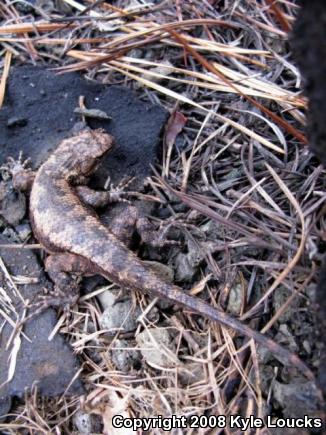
64	225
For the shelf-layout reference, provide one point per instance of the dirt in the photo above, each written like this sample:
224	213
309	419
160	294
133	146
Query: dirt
39	112
49	364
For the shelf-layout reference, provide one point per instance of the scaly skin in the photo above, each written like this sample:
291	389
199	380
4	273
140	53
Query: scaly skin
63	224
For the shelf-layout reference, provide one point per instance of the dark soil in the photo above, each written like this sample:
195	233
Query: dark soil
39	112
50	365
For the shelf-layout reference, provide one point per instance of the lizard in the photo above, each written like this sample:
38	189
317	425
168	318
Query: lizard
78	243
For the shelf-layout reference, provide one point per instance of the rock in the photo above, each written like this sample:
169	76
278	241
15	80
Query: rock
162	270
307	346
235	298
119	316
107	298
289	431
166	273
26	6
63	7
309	50
136	53
297	399
280	296
164	304
184	270
124	357
16	121
90	283
195	254
11	234
191	373
267	374
24	231
286	339
87	424
157	347
83	423
46	5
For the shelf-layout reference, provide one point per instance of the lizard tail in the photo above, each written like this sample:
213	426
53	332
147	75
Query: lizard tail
177	295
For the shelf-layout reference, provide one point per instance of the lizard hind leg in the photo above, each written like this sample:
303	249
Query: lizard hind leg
128	220
122	223
60	268
152	236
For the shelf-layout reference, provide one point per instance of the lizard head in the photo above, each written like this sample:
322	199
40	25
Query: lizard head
80	155
95	144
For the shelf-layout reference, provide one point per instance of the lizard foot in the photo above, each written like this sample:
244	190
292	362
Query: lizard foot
17	169
117	192
66	288
59	298
172	222
100	199
51	299
157	237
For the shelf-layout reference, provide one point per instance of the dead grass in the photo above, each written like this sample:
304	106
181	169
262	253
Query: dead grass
240	166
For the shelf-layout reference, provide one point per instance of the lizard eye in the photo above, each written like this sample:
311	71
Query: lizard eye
88	166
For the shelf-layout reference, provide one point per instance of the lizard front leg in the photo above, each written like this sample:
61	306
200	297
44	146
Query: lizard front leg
22	176
100	199
93	198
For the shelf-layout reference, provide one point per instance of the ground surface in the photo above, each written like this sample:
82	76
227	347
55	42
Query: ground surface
51	362
33	124
247	209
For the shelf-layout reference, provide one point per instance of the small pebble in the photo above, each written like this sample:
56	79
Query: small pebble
24	231
16	121
83	422
157	347
124	357
235	298
119	316
184	270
